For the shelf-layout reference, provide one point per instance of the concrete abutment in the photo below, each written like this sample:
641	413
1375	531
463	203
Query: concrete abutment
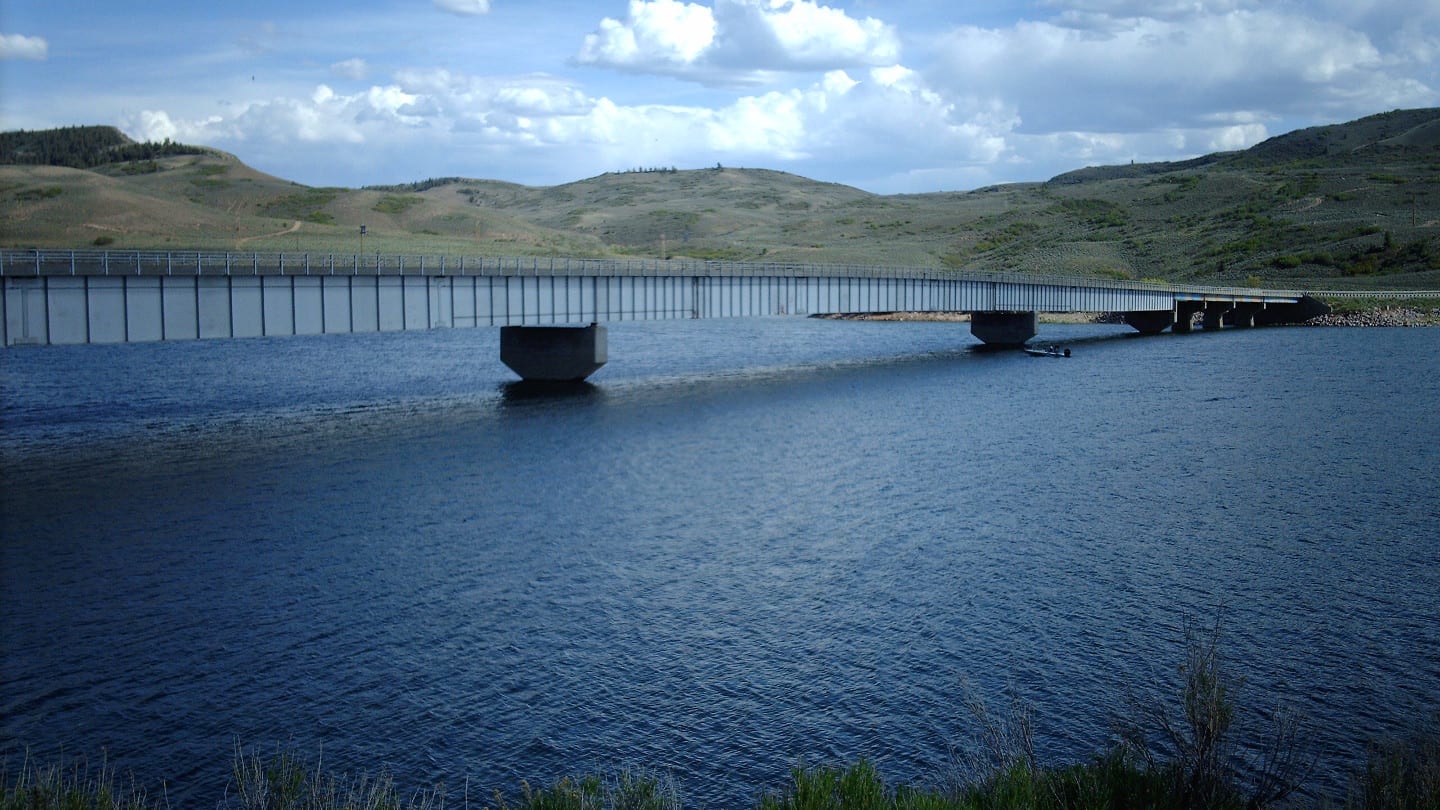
1299	312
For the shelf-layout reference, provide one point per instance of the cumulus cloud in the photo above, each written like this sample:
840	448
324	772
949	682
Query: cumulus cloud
325	117
737	40
355	69
1151	71
19	46
659	36
465	8
884	117
1096	81
157	125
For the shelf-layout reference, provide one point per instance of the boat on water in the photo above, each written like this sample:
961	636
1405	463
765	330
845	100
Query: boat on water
1048	351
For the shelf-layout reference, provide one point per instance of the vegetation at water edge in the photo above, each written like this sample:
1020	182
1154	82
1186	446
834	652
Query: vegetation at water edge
1183	754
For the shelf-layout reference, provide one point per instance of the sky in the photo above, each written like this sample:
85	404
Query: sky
892	97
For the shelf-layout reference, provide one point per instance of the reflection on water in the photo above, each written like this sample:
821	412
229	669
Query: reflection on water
742	543
522	391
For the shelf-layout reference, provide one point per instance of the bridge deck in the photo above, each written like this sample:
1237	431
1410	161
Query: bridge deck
92	296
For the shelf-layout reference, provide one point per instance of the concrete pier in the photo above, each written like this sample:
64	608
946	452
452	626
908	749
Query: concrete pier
1214	314
1150	322
1243	315
553	353
1003	328
1185	315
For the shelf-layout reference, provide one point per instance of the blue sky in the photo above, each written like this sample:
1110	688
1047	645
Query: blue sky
902	96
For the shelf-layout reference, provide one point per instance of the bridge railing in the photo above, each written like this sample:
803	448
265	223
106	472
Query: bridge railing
1398	294
33	263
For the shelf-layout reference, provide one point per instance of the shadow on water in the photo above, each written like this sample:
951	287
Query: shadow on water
524	392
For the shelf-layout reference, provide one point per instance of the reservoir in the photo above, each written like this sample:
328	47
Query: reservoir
746	543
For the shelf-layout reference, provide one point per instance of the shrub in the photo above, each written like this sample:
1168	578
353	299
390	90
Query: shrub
1196	753
393	204
78	786
32	194
1402	773
285	782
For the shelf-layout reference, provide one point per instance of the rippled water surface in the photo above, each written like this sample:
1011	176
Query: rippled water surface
747	543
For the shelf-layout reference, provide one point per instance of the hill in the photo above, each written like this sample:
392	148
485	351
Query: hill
1349	205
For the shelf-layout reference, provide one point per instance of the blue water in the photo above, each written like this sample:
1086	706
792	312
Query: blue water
747	543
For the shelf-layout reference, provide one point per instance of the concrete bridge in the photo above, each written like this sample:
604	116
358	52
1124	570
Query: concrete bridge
551	311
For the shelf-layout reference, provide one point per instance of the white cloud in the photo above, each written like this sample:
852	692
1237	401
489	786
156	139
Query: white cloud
1097	81
465	8
737	40
1151	72
800	35
157	125
19	46
884	117
659	34
355	69
326	117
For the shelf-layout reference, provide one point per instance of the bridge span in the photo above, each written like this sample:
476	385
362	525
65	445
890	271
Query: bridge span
551	311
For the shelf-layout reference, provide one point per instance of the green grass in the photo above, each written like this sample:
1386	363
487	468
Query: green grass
303	205
396	204
78	786
1400	773
32	194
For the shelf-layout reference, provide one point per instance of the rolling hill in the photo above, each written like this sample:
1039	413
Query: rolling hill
1356	204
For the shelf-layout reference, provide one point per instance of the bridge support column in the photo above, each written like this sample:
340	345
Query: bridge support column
553	353
1003	328
1150	322
1214	314
1185	315
1243	315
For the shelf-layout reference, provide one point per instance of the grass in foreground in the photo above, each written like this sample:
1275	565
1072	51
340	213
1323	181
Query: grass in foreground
1168	757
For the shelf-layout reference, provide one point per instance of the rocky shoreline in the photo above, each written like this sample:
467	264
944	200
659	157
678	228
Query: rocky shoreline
1385	316
964	317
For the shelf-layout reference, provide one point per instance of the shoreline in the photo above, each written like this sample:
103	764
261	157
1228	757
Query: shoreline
1379	317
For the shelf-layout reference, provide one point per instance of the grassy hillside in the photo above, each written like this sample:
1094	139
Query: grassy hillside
1351	205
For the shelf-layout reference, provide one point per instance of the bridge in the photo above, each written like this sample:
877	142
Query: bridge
551	311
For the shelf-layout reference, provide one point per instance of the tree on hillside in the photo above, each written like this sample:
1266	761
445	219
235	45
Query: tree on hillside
83	147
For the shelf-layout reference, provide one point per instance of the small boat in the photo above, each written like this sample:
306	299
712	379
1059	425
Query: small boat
1048	351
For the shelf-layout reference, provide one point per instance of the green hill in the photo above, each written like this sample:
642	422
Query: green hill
1349	205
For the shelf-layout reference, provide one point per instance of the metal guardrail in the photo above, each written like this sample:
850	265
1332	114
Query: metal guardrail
33	263
1397	294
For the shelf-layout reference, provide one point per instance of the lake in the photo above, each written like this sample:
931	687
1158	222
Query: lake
745	544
